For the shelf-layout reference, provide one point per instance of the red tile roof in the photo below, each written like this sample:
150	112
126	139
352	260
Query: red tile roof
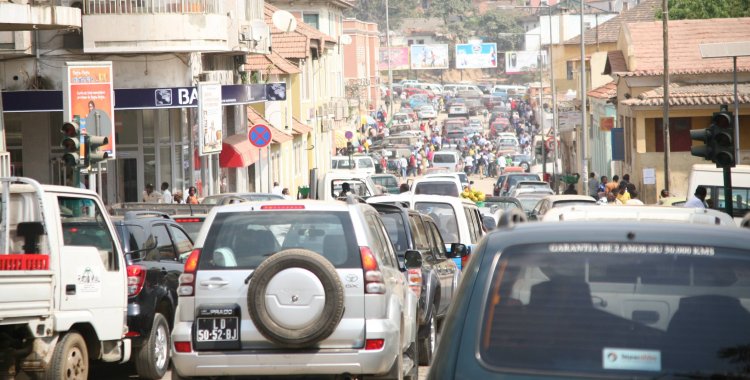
276	63
299	127
609	30
645	41
615	62
296	44
607	91
255	118
278	136
693	95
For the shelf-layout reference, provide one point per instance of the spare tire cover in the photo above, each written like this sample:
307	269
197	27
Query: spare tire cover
295	298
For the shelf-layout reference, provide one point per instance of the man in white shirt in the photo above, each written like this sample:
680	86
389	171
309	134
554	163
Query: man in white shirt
151	196
276	189
166	195
698	199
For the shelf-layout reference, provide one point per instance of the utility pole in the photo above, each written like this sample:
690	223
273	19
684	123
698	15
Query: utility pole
665	118
388	47
554	101
584	130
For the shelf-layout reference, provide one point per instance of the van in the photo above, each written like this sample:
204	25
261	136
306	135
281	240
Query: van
434	87
458	219
453	89
509	90
712	178
446	159
364	164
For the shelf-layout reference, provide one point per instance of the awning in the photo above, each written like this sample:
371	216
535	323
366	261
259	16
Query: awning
300	128
339	140
237	152
278	136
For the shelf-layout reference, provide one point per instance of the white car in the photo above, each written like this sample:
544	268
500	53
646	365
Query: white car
462	177
363	164
427	112
446	159
629	213
450	186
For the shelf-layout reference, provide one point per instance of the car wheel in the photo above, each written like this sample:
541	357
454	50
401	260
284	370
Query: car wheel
317	303
413	354
70	359
152	359
429	342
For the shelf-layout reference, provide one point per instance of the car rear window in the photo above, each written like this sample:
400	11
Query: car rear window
365	163
630	310
436	188
387	181
444	216
444	158
242	240
514	179
396	228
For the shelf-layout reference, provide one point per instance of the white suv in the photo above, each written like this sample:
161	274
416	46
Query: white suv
295	288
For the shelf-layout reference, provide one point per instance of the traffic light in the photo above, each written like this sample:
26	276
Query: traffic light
349	148
706	136
723	139
71	144
93	155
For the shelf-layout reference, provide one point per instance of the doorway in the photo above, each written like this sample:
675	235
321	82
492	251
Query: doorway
128	170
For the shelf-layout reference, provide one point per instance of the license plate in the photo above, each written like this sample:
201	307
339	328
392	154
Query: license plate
224	329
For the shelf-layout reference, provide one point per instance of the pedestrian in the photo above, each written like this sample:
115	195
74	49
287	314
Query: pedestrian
593	186
570	190
150	195
402	166
622	192
178	197
166	195
276	189
633	196
192	198
285	193
345	189
698	199
612	186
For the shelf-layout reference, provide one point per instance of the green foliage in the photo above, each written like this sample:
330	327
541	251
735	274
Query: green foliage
499	26
705	9
374	11
448	10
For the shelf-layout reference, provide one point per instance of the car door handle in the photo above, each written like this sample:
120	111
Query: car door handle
214	283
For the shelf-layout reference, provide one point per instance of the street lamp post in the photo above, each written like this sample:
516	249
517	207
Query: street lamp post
584	130
388	48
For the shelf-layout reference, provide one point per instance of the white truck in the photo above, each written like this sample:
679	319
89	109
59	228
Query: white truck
63	282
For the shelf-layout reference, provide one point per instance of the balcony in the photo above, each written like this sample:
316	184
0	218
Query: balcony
156	26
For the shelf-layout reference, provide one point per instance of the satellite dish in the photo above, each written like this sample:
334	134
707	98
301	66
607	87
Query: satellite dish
345	39
259	30
284	21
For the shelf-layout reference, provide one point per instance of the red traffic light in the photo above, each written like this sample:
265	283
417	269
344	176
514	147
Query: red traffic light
70	129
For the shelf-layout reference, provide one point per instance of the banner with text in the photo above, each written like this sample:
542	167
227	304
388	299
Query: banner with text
88	100
429	57
476	56
399	57
209	118
518	62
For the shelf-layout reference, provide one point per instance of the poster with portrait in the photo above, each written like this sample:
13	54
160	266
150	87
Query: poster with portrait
476	56
88	100
398	56
209	118
275	92
428	57
519	62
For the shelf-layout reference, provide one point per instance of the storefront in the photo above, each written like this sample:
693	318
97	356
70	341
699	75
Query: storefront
156	139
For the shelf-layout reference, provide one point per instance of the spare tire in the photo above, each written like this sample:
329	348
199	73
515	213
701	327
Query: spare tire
295	298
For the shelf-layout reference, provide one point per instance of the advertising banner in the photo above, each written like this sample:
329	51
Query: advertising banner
429	57
399	57
518	62
476	56
88	100
209	118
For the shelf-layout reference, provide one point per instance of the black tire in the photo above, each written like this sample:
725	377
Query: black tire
413	353
70	359
152	359
318	329
428	342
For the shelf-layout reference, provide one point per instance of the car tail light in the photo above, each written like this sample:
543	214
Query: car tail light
282	207
132	334
187	220
414	278
374	344
465	261
136	279
182	347
187	278
373	276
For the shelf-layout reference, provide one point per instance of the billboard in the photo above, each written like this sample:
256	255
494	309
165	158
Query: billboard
88	99
476	56
429	56
399	57
517	62
209	118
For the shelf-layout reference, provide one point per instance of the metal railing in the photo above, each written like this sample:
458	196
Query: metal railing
100	7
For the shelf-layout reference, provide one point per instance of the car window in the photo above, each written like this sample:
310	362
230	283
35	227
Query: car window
394	225
384	245
358	187
444	159
444	216
181	241
420	238
440	252
242	240
602	310
162	244
436	188
83	224
365	163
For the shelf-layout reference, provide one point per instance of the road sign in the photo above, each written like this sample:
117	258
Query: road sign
260	135
348	135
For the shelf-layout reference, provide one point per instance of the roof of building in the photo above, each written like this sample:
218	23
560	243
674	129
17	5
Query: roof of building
615	62
255	118
299	127
270	63
693	95
296	44
609	31
607	91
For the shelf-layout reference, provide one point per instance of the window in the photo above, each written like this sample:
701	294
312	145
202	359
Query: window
471	220
182	242
421	42
679	134
83	224
421	241
394	224
311	19
389	254
410	42
444	216
159	245
569	70
439	244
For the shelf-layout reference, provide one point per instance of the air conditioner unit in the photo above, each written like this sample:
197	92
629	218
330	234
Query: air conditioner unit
223	77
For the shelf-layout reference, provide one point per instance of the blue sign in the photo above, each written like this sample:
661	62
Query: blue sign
260	135
476	56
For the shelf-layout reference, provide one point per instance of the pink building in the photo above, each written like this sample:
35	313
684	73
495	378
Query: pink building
361	56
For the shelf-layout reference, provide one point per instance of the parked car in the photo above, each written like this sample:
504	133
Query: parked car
388	181
299	288
561	200
154	246
227	198
629	300
457	110
530	200
462	177
436	282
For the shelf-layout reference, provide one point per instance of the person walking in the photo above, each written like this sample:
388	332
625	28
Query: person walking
166	195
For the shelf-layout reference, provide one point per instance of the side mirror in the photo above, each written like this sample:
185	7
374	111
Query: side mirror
458	250
412	259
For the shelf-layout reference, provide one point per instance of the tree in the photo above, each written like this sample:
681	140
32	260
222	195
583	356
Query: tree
704	9
447	10
374	11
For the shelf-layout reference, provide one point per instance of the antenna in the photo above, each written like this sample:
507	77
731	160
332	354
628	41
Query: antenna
284	21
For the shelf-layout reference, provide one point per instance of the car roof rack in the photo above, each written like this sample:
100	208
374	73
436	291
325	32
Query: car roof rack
130	215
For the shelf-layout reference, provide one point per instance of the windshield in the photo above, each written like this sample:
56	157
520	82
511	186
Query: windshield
444	158
242	240
596	310
529	203
436	188
444	216
365	163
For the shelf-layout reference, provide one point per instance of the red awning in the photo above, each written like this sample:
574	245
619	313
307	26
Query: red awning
237	152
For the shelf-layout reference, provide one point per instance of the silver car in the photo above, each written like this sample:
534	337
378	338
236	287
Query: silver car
295	288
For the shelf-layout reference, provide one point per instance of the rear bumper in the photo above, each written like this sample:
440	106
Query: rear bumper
288	362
